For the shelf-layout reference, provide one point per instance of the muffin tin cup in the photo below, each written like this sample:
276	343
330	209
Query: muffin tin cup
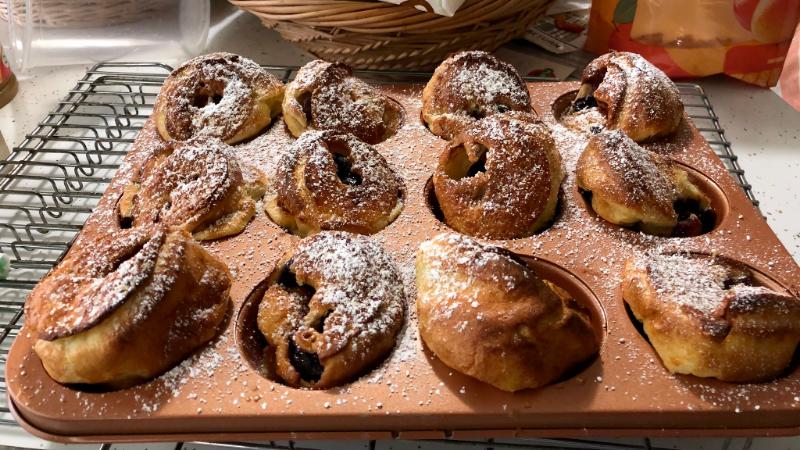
716	196
217	394
759	278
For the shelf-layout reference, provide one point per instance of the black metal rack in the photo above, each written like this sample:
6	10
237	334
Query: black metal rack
51	182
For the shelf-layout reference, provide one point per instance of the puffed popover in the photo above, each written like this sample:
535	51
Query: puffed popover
623	91
221	95
707	316
332	310
126	305
332	181
500	178
632	187
469	86
483	312
326	96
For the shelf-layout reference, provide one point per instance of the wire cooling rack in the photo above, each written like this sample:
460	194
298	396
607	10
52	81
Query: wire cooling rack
52	181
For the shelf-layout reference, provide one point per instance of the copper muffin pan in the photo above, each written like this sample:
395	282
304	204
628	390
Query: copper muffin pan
218	394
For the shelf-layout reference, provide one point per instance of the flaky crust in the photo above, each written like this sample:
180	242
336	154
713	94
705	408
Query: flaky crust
483	312
326	96
469	86
197	185
332	181
128	308
517	193
703	318
632	95
220	95
632	186
333	309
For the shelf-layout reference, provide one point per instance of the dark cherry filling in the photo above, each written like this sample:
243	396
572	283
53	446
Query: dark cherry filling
693	220
344	170
307	364
584	103
305	103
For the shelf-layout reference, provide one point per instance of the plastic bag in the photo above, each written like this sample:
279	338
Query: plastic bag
746	39
790	78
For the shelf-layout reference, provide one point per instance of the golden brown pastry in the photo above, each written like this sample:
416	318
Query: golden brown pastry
704	316
485	313
197	185
469	86
326	96
221	95
332	181
632	187
126	304
332	310
623	91
499	178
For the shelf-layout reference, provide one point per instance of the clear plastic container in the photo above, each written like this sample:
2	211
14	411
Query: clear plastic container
55	32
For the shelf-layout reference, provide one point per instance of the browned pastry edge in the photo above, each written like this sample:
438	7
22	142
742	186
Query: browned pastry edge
633	187
717	325
326	96
332	181
468	86
483	312
222	95
333	309
633	95
500	178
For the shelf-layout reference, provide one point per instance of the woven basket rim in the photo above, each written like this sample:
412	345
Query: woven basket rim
378	35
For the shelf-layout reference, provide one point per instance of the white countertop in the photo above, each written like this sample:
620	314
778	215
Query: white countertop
763	129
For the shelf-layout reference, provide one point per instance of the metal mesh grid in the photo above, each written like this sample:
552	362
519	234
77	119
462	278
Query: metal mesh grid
52	181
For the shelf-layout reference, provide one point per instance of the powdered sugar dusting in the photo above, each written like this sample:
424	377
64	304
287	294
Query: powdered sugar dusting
410	382
358	279
488	81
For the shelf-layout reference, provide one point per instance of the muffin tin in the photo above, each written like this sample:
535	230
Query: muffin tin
217	393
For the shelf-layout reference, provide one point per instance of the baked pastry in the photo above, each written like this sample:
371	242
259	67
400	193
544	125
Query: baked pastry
499	178
333	181
704	316
197	185
632	187
469	86
332	310
623	91
126	304
326	96
485	313
222	95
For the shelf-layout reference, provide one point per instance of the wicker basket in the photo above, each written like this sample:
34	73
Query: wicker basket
84	13
377	35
